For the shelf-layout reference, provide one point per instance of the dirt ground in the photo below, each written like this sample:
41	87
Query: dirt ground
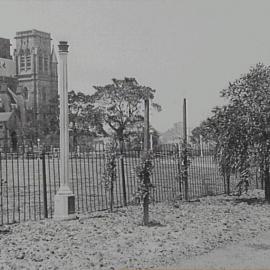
202	234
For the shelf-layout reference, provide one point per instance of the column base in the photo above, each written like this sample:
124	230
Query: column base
64	204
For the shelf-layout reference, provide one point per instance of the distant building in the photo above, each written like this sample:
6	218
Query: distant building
28	83
12	114
174	134
36	69
5	48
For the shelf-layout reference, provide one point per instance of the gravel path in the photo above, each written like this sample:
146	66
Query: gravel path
117	240
249	254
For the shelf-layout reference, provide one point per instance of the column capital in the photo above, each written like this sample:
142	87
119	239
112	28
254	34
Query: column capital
63	46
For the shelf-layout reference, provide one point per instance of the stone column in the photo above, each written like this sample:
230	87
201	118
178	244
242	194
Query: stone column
64	199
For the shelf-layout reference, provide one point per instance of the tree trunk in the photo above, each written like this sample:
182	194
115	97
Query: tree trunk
111	195
122	165
267	183
256	179
146	207
262	176
228	175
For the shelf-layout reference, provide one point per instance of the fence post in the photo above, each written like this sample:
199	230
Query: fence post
44	184
185	175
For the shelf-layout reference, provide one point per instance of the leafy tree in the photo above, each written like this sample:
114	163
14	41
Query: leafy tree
136	139
118	107
119	112
109	175
143	172
199	133
81	115
241	128
81	118
42	124
231	147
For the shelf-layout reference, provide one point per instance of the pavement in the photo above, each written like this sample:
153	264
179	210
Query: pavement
250	254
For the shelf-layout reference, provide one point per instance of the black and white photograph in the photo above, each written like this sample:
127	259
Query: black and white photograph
134	134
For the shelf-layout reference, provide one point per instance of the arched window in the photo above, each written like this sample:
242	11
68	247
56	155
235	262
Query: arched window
40	63
28	59
22	62
25	93
46	64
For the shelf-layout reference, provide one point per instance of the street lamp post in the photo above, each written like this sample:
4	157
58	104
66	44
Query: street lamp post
64	199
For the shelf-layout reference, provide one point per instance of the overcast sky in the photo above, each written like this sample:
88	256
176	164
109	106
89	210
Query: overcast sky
180	48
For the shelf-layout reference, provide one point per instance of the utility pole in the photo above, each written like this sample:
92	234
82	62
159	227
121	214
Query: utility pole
185	159
146	126
201	145
146	145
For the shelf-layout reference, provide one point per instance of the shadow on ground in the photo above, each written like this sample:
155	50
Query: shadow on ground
250	201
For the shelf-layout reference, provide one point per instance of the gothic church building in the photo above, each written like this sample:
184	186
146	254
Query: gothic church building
36	68
28	84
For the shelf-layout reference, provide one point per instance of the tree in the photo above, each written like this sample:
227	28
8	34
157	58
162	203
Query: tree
81	118
136	139
231	148
42	124
110	169
200	133
241	128
119	110
118	107
81	115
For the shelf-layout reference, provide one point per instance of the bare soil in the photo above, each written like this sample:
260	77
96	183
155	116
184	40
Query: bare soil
179	234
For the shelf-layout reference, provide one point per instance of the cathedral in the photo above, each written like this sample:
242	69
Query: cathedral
28	85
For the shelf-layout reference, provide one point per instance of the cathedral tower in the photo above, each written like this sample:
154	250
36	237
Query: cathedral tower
36	70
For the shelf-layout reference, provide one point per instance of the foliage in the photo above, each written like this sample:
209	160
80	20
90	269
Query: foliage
241	127
136	139
143	173
184	149
112	109
41	124
118	107
199	133
109	175
81	115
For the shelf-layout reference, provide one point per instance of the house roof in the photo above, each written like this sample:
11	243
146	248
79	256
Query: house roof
5	116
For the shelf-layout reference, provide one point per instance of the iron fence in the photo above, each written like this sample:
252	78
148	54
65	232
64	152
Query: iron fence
28	182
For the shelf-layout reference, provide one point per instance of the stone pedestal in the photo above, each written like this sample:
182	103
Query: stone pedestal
64	204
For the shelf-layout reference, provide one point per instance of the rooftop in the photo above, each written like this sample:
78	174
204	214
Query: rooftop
32	32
